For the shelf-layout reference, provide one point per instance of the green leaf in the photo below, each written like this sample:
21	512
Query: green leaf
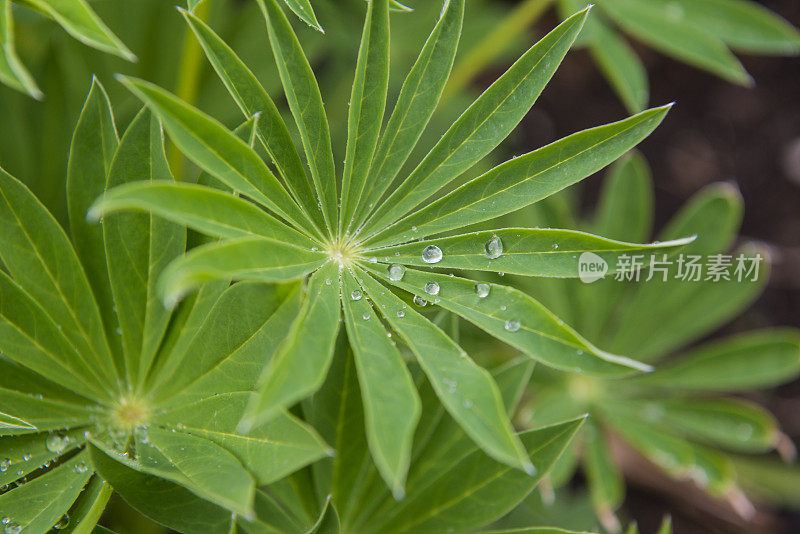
300	366
621	66
200	465
769	479
656	24
138	247
81	22
468	392
219	151
210	211
328	522
728	423
525	251
230	345
251	98
161	500
38	255
483	125
367	106
29	337
271	516
606	482
517	319
524	180
94	143
416	102
304	98
86	512
303	9
25	455
37	505
391	402
533	530
755	360
253	258
477	490
23	413
9	422
741	24
12	72
269	452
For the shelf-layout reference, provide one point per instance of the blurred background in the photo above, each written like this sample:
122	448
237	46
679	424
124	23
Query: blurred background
718	131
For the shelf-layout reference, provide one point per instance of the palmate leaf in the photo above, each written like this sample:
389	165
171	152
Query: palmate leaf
245	244
60	387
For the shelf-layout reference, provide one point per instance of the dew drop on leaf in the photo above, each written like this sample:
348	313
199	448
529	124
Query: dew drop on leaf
482	289
401	314
419	301
396	272
494	248
62	523
12	528
432	254
432	288
366	316
355	295
80	467
512	325
56	443
5	463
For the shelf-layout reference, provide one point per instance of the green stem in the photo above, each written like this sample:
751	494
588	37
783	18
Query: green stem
187	87
491	46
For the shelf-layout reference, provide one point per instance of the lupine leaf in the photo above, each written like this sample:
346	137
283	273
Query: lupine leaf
254	258
525	251
271	516
302	93
229	334
391	403
38	255
467	391
31	338
743	25
484	124
654	24
477	490
416	103
161	500
270	451
138	247
728	423
40	503
251	98
328	522
300	366
26	454
88	508
303	9
205	209
93	146
198	464
9	422
513	317
533	530
621	66
758	359
219	152
25	413
606	483
367	105
80	21
12	72
525	180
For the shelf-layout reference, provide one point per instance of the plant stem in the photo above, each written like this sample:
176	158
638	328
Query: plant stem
491	46
187	86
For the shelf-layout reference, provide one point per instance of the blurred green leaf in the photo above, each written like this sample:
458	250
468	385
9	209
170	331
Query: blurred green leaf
12	72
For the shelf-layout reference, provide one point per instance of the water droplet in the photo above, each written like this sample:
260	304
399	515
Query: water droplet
419	301
328	282
432	254
467	403
12	528
482	289
512	325
56	443
401	313
555	246
413	228
5	463
366	316
494	248
81	467
432	288
396	272
373	260
26	457
355	295
62	523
